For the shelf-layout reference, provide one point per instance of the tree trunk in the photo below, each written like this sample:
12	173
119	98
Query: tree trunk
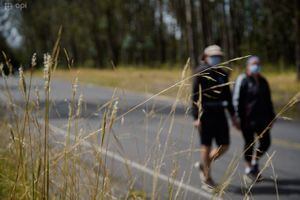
195	31
226	40
111	37
237	25
190	37
297	30
162	41
206	25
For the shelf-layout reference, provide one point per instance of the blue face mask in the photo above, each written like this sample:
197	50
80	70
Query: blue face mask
254	69
214	60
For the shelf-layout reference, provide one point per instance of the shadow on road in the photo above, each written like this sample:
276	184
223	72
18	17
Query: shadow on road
285	187
60	109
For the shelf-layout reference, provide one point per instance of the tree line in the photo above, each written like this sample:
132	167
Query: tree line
100	32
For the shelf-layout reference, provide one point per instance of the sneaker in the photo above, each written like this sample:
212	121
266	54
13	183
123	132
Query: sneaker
208	185
199	166
252	177
254	169
255	173
248	180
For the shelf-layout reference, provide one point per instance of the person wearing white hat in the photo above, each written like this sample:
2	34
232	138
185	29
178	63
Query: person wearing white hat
209	113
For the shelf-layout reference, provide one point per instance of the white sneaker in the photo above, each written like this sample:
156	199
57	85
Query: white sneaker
209	185
199	167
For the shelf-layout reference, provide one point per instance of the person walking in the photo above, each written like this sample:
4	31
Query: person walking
211	95
254	108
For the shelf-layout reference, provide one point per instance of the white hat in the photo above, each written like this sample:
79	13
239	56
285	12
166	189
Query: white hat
213	50
253	59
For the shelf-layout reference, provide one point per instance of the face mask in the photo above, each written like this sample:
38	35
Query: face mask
254	69
214	60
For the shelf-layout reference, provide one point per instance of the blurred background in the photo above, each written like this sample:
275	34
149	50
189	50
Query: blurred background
152	32
141	46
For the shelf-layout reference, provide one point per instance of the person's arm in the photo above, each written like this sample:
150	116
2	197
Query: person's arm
230	108
228	98
237	99
195	97
269	102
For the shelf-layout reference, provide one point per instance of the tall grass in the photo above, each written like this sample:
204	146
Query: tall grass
76	165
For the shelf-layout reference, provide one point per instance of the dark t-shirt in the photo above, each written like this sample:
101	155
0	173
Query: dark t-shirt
215	91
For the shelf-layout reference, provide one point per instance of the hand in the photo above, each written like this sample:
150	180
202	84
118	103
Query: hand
197	123
236	123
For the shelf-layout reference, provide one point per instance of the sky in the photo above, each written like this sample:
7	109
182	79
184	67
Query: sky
9	20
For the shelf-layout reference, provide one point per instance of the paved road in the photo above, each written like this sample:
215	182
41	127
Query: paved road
150	136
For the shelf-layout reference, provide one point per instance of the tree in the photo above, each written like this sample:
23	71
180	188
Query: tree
297	33
206	23
161	31
158	31
190	34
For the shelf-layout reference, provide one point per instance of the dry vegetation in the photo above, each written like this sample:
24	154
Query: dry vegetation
41	165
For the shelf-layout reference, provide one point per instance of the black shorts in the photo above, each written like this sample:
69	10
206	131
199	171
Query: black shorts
214	126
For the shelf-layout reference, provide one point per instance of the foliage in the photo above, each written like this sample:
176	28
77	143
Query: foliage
107	32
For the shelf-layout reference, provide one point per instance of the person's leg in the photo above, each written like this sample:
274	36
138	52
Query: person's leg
264	144
222	138
248	136
218	152
206	137
205	152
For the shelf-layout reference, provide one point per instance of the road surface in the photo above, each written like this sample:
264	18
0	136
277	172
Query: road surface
151	135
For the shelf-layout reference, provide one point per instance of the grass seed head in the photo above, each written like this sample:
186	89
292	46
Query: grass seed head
79	104
1	68
33	60
47	65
